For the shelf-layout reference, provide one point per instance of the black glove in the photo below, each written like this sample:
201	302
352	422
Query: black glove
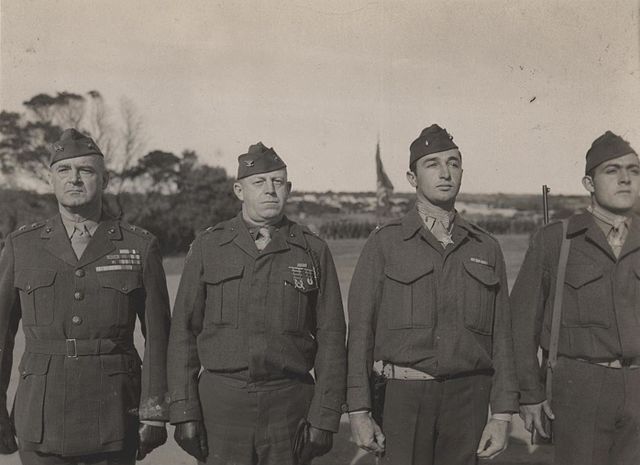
192	437
150	437
7	436
320	442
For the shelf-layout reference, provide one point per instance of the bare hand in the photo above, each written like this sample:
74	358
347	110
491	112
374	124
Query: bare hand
366	433
494	439
531	414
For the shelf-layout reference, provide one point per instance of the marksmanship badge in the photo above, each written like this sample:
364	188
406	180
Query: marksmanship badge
304	277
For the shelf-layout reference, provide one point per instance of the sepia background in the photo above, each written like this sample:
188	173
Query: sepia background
174	91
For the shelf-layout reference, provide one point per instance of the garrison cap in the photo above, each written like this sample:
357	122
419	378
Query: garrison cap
607	147
433	139
258	159
72	144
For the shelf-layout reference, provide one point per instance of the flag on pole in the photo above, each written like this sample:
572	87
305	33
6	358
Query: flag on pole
384	188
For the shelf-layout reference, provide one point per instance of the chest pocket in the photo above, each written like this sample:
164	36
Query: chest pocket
409	293
37	295
298	301
117	296
587	296
223	295
479	288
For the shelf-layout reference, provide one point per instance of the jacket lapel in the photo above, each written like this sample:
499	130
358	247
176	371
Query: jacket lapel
632	243
101	242
58	243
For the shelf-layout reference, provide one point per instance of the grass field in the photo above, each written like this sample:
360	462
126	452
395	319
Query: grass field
345	254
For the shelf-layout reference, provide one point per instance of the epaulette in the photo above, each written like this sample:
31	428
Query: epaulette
211	229
483	231
136	229
28	227
550	224
395	222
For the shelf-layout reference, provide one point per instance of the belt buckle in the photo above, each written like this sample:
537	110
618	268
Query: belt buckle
71	348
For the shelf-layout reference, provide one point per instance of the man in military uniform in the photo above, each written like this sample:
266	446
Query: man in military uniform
258	307
78	281
596	382
428	304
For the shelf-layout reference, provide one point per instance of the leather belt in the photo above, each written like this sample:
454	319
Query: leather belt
75	347
392	371
616	364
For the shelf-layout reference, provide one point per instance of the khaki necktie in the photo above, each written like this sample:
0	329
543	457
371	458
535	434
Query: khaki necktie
263	238
616	237
80	239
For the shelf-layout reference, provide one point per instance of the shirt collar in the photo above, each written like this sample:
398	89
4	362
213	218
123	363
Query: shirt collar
70	223
607	217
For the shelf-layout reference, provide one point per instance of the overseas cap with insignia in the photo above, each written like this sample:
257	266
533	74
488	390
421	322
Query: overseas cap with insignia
607	147
259	159
433	139
72	144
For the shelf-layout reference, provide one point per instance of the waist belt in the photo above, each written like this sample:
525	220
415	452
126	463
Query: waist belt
76	347
391	371
618	363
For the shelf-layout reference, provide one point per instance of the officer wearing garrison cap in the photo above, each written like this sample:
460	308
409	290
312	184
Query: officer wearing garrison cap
257	309
596	382
428	307
78	281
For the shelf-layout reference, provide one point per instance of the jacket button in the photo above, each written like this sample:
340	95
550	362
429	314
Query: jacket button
76	320
80	273
28	287
78	295
124	288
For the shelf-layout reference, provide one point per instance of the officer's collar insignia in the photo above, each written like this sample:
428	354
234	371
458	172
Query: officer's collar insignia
58	148
90	146
249	163
479	260
304	277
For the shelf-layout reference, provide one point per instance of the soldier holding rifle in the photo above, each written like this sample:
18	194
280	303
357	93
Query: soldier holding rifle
596	378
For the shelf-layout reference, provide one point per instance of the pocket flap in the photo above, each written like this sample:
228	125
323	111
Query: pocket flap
118	364
123	281
218	274
32	279
35	364
407	273
577	275
482	273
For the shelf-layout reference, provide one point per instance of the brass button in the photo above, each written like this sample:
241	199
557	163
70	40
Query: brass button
125	288
78	295
28	288
80	273
76	320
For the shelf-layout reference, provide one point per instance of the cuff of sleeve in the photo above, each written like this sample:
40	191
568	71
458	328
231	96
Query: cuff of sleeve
325	419
533	396
501	416
505	404
184	410
358	398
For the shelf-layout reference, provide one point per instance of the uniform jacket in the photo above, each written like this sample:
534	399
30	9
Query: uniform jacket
442	311
600	308
241	309
69	405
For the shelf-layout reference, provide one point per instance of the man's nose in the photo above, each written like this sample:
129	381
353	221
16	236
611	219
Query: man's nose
624	177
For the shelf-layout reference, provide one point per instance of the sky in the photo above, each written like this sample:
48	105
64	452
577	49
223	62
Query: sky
524	87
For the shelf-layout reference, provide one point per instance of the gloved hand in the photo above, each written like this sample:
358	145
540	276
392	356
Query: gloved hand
150	437
320	442
7	436
192	437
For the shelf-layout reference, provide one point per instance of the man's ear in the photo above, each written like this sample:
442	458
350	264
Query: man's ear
106	176
237	190
589	185
411	177
289	187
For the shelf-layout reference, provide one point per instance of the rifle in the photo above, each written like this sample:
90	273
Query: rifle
545	203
